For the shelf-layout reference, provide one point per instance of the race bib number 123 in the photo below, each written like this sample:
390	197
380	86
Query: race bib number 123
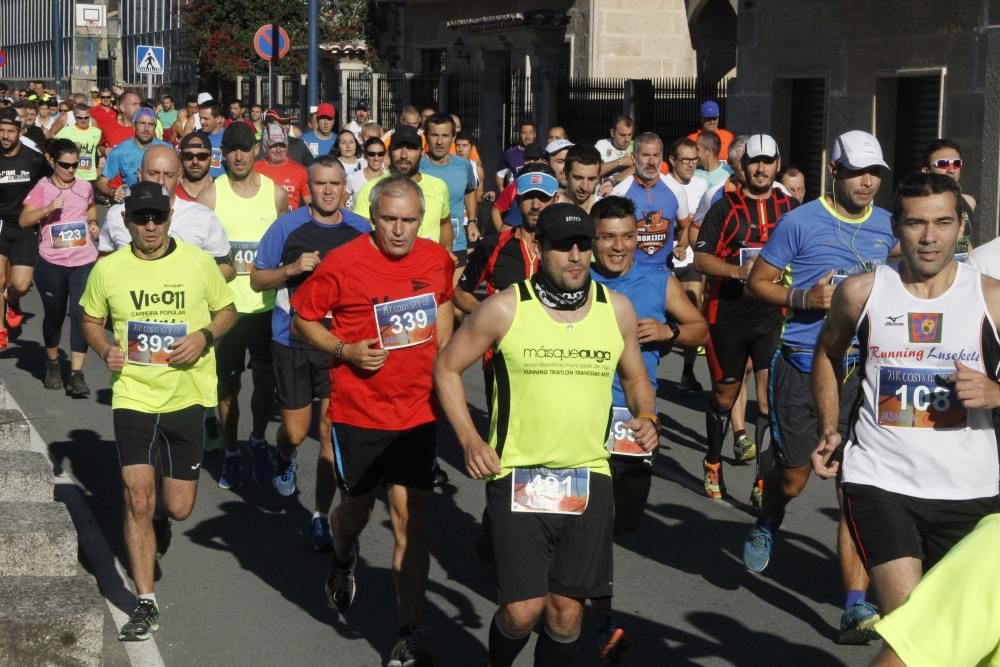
68	235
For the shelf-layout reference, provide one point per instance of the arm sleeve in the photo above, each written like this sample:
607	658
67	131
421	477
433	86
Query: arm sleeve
94	301
271	246
316	296
506	198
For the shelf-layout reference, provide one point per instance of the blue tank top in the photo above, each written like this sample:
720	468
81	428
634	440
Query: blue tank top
656	219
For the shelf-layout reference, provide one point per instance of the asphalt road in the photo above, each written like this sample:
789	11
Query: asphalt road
241	585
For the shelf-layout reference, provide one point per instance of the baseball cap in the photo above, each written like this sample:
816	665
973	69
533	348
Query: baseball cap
406	135
857	149
196	139
709	109
274	134
238	136
761	145
147	196
204	97
326	110
564	221
95	89
533	152
361	105
9	116
280	116
537	182
555	146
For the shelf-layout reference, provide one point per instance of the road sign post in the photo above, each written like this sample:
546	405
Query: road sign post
149	60
263	43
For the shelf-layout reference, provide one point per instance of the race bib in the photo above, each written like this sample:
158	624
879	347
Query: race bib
838	278
149	342
86	162
216	158
244	255
406	322
962	257
621	440
550	490
68	235
918	398
748	254
313	148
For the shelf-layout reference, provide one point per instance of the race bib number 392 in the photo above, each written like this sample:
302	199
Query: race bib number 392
621	440
244	255
406	322
68	235
550	490
149	343
918	398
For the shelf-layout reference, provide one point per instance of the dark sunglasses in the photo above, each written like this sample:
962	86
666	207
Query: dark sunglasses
200	157
944	163
79	117
105	97
68	165
145	217
374	154
566	245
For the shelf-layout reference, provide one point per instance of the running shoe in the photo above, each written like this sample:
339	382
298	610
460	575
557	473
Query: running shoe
689	383
213	435
713	479
612	643
3	339
757	494
232	473
341	586
744	449
142	623
409	651
53	376
263	464
857	625
14	314
700	351
284	477
440	477
757	549
77	385
319	532
163	533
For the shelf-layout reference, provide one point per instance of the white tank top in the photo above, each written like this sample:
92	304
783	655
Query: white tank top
911	435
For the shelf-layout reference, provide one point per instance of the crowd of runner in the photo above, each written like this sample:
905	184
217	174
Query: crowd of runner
348	270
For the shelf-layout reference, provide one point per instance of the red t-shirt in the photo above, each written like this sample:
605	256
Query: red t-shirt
290	175
103	115
181	193
353	283
116	133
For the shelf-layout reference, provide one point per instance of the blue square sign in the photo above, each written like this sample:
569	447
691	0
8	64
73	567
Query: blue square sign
149	59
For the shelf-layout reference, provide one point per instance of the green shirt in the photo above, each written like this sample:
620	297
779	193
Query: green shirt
86	141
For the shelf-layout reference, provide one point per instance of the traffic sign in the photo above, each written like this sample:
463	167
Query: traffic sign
148	59
262	42
3	58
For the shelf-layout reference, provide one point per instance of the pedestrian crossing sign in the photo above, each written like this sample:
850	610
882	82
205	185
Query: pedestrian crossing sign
148	59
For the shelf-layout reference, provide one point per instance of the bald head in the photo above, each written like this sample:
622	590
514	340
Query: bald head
161	165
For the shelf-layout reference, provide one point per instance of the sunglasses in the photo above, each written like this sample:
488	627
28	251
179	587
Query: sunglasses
566	245
374	154
145	217
68	165
105	97
200	157
944	163
79	117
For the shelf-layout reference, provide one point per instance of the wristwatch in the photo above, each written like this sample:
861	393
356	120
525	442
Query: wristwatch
209	338
676	329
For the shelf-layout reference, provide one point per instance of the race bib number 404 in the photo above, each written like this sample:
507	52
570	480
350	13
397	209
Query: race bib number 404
149	343
244	255
918	398
621	440
550	490
406	322
68	235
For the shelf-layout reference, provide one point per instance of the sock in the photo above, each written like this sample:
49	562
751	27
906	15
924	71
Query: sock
716	425
319	515
553	652
148	596
853	598
288	457
233	453
739	434
503	649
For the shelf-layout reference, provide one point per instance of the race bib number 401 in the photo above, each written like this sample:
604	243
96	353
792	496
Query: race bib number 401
918	398
621	440
406	322
550	490
149	343
68	235
244	255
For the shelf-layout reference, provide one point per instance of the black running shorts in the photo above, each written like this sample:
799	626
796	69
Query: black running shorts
730	346
19	249
631	477
300	375
886	526
364	457
175	438
252	334
537	554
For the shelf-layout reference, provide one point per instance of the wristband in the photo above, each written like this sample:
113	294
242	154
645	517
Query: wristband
650	416
338	352
209	337
798	298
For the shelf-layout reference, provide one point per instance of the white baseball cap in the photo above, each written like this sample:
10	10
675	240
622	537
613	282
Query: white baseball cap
204	97
558	145
857	149
761	145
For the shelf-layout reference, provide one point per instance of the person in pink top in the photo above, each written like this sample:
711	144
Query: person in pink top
63	208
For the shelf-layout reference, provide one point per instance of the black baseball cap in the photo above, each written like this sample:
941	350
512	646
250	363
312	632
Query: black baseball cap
564	221
147	196
9	116
238	136
196	139
404	135
534	152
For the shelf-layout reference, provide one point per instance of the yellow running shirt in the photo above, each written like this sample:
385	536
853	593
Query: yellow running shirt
435	204
153	303
245	221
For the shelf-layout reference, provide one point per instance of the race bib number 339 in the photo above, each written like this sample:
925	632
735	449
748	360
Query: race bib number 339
406	322
918	398
149	343
550	490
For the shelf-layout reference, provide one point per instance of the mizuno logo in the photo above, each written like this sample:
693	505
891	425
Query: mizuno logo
895	318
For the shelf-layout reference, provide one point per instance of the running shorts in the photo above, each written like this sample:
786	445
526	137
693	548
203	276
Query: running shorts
20	250
730	346
300	375
365	456
252	334
175	438
631	477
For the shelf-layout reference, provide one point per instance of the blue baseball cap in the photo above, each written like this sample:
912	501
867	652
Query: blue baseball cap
709	109
361	105
537	182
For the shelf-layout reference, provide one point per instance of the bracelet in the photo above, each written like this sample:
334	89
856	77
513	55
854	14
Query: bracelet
650	416
338	352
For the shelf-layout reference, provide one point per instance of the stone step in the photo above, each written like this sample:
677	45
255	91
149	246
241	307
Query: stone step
26	476
14	430
50	621
36	539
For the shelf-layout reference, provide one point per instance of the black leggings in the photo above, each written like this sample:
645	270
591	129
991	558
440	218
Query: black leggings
61	288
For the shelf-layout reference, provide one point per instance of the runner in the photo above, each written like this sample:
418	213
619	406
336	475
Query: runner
710	123
168	311
276	165
247	204
920	468
297	149
121	128
583	175
616	152
666	317
384	423
842	233
459	176
213	123
740	328
187	119
321	140
374	168
196	159
794	182
121	170
505	214
710	167
555	155
289	252
103	113
361	116
548	494
22	168
63	209
167	115
257	120
513	158
348	151
944	156
87	139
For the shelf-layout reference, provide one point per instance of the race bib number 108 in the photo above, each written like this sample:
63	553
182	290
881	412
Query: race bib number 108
550	490
149	343
406	322
918	398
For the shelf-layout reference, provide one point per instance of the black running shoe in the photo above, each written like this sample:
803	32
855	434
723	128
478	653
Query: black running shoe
77	385
143	622
410	652
341	586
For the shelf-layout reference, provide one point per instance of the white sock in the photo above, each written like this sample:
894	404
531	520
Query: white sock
148	596
318	515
